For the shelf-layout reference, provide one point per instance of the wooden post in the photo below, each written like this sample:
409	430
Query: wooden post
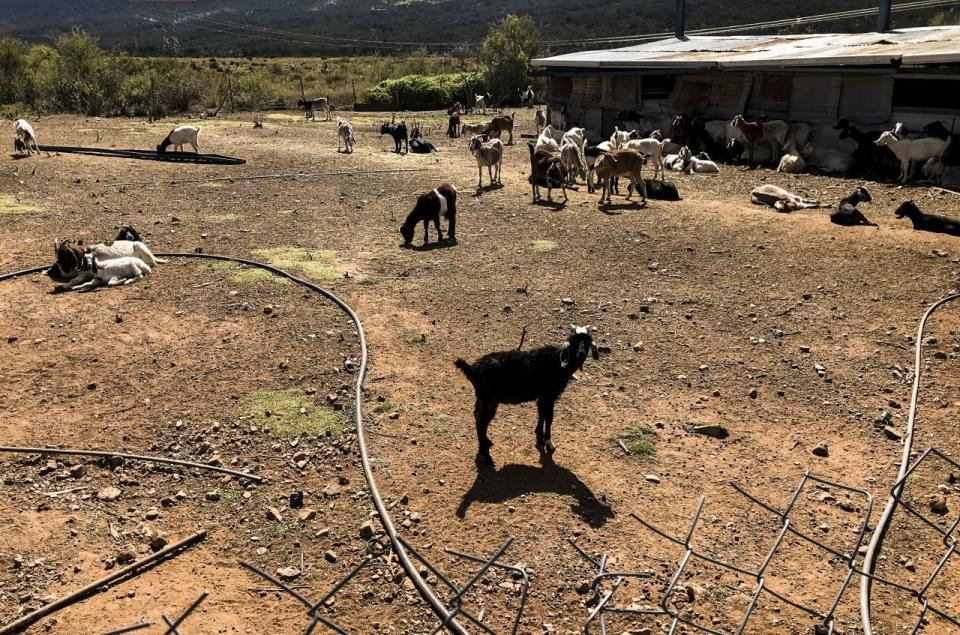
353	83
302	94
230	90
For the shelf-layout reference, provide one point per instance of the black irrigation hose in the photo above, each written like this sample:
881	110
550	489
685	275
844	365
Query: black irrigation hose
148	155
876	541
426	592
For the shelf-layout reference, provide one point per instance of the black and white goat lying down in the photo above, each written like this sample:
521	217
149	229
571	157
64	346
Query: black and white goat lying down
516	376
77	264
430	207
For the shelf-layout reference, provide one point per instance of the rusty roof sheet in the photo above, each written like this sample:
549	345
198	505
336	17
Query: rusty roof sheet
924	45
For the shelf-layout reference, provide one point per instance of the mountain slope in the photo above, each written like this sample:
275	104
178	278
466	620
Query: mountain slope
323	27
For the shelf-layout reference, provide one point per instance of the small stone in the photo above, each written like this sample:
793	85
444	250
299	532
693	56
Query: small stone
910	566
367	530
77	471
804	348
109	494
152	514
330	556
714	430
124	558
274	514
288	573
296	500
213	496
583	587
158	543
568	301
118	318
753	393
652	478
821	450
938	504
307	515
268	310
892	433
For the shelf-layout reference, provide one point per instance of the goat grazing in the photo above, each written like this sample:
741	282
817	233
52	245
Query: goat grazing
847	213
24	137
310	107
489	154
399	133
180	136
344	135
514	377
501	123
911	150
546	170
780	199
430	207
111	272
573	162
927	222
625	162
539	120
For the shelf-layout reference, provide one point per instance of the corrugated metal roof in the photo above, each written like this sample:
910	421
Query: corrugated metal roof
925	45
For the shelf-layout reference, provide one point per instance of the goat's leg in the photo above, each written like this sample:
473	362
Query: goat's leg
436	224
541	421
426	231
479	177
548	425
483	413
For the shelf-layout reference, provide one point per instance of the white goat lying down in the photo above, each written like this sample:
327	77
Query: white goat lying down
25	137
71	266
780	199
109	272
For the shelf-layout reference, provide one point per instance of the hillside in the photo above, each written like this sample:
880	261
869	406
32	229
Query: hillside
312	27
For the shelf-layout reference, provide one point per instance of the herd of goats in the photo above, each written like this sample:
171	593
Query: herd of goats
562	156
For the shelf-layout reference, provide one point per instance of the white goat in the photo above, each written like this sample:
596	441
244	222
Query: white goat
344	135
911	150
578	137
700	164
180	136
828	159
471	130
571	155
619	138
792	161
109	272
548	140
653	149
480	103
24	137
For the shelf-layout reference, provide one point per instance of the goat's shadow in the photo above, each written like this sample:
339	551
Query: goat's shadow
513	480
490	187
614	209
443	244
554	205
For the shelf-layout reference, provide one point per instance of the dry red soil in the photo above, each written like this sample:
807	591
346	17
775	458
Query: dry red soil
697	305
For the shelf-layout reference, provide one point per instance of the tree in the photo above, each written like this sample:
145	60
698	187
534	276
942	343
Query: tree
505	57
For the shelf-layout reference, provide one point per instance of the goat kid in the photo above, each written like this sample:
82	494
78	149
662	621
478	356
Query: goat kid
625	162
780	199
927	222
539	120
489	154
847	213
111	273
515	377
344	135
430	207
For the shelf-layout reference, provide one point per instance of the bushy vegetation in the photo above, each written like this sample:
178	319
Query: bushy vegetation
422	92
505	57
75	74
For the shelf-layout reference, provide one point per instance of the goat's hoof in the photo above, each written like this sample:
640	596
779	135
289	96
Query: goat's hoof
549	447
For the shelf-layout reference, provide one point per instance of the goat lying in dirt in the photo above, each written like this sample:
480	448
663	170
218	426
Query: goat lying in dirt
847	213
515	377
111	273
780	199
927	222
430	207
70	255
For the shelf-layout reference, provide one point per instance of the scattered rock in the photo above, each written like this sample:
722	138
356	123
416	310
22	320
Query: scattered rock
714	430
296	500
274	514
152	514
158	543
753	393
568	301
77	471
330	556
109	494
821	450
892	433
124	558
288	573
213	496
307	515
583	587
367	530
938	504
652	478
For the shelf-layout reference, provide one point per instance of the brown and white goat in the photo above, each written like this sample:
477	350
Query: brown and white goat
489	154
625	162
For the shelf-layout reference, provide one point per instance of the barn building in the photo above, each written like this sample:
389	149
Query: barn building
909	75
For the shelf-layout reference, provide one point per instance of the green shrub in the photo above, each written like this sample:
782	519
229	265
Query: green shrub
421	92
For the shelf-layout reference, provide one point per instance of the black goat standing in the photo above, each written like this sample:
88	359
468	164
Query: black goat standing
927	222
515	377
399	133
453	125
430	206
847	213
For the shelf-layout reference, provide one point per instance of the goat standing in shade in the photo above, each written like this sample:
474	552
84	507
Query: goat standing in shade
515	377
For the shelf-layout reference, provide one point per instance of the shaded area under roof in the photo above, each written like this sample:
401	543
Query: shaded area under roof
918	46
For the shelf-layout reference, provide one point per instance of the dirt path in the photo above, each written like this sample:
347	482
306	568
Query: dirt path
699	305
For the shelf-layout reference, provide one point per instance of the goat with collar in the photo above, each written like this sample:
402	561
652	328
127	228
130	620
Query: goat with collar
516	376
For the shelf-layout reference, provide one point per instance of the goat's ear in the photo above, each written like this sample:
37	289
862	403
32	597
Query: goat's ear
565	355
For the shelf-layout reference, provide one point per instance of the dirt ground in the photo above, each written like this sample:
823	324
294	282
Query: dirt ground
787	330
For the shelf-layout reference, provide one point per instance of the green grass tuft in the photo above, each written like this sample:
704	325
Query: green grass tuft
10	206
543	246
315	263
285	418
642	442
386	406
